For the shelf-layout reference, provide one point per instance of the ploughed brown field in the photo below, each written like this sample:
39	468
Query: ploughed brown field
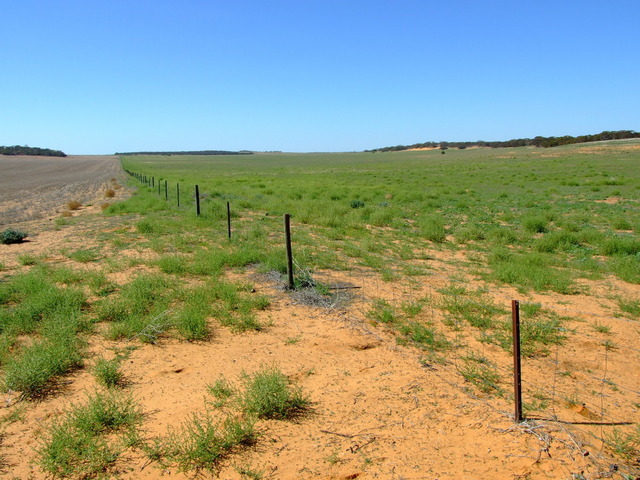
34	187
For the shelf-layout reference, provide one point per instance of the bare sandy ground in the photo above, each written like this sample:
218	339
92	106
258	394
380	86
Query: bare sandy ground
37	187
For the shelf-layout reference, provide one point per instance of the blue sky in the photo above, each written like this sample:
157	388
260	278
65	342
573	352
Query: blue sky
100	76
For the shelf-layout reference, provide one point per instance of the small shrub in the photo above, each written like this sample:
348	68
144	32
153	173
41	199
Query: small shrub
480	372
28	259
382	311
74	205
104	206
192	324
11	236
630	306
222	390
109	193
357	204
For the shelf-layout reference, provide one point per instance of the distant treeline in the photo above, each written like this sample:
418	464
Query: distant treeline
519	142
33	151
198	152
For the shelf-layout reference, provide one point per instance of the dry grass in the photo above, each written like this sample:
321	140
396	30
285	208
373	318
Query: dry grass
104	206
66	213
109	193
73	205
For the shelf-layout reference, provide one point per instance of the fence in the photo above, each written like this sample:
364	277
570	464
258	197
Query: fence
577	366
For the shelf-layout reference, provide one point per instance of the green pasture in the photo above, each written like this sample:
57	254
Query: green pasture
558	213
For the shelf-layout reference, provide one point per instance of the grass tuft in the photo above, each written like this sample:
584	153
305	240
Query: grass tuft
268	394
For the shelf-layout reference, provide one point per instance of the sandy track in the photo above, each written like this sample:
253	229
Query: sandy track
35	187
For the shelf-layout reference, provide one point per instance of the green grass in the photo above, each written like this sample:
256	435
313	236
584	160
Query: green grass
202	442
81	444
629	306
107	372
34	370
481	373
84	255
269	394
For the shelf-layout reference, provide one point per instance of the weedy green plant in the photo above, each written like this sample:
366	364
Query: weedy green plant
382	311
35	368
624	445
84	255
432	228
202	442
249	472
80	444
480	372
269	394
222	391
11	236
535	224
422	335
107	372
629	306
27	259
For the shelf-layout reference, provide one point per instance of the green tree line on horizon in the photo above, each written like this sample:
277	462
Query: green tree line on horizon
33	151
544	142
197	152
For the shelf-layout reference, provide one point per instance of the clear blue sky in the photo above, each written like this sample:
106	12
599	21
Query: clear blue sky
100	76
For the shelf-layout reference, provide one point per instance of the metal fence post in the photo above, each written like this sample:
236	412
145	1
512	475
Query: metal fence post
287	235
517	373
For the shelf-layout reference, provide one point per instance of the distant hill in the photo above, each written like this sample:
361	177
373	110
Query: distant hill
519	142
32	151
198	152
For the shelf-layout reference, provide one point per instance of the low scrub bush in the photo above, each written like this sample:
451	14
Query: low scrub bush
11	236
563	241
620	245
73	205
480	372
